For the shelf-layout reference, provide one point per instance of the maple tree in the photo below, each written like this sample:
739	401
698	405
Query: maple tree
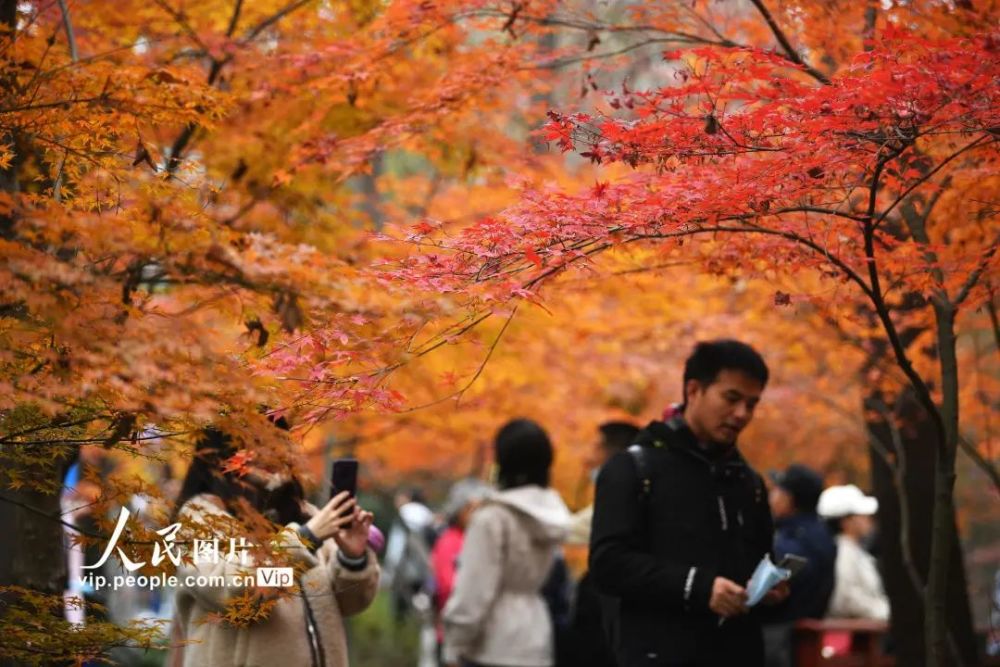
185	190
188	189
788	169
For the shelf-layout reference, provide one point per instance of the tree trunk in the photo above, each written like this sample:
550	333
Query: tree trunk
34	556
33	553
917	435
943	532
8	176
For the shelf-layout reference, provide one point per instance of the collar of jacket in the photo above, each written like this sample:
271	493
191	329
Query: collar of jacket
676	434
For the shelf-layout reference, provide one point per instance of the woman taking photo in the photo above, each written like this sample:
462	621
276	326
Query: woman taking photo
336	572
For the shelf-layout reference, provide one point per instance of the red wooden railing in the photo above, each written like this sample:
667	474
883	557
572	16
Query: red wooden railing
841	643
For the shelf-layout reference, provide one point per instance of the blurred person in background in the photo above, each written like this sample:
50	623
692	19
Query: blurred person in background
408	569
496	616
594	617
463	498
408	554
801	532
857	588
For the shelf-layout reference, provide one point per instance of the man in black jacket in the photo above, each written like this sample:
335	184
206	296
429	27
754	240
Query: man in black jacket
677	541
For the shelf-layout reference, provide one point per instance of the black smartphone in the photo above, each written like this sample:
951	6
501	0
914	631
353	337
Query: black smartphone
794	564
344	477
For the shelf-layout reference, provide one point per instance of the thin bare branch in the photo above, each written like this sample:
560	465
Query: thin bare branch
274	18
457	395
981	462
790	51
178	16
563	62
9	438
74	54
877	298
58	519
235	18
184	138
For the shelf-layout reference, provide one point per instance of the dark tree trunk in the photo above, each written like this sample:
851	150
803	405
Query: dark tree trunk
33	553
918	438
8	176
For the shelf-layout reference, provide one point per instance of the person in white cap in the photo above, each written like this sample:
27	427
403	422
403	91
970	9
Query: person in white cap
857	591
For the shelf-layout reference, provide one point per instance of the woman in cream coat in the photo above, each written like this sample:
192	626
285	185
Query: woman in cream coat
496	616
336	573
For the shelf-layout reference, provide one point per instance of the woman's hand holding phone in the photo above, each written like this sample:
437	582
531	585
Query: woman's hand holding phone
345	522
352	537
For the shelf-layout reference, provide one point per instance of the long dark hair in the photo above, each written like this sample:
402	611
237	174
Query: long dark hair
206	476
523	454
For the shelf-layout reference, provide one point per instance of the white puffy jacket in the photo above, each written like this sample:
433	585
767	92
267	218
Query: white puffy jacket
857	590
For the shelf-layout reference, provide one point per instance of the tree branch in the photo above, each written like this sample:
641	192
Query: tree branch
917	224
274	18
981	462
563	62
787	45
898	472
923	179
177	148
68	26
819	209
479	371
589	26
52	425
182	22
974	277
58	519
235	18
877	299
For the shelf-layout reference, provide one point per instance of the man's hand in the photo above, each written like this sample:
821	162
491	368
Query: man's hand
728	598
778	594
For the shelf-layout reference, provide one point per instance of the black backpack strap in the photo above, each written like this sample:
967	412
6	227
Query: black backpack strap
655	436
640	457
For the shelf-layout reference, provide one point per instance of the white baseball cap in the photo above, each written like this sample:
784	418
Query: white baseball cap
840	501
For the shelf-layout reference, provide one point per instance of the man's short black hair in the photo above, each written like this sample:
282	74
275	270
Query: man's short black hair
712	357
617	436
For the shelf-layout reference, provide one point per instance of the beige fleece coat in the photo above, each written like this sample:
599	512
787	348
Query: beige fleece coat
282	639
496	614
857	589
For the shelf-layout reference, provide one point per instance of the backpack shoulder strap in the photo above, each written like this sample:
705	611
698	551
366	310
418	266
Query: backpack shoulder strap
640	457
655	436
